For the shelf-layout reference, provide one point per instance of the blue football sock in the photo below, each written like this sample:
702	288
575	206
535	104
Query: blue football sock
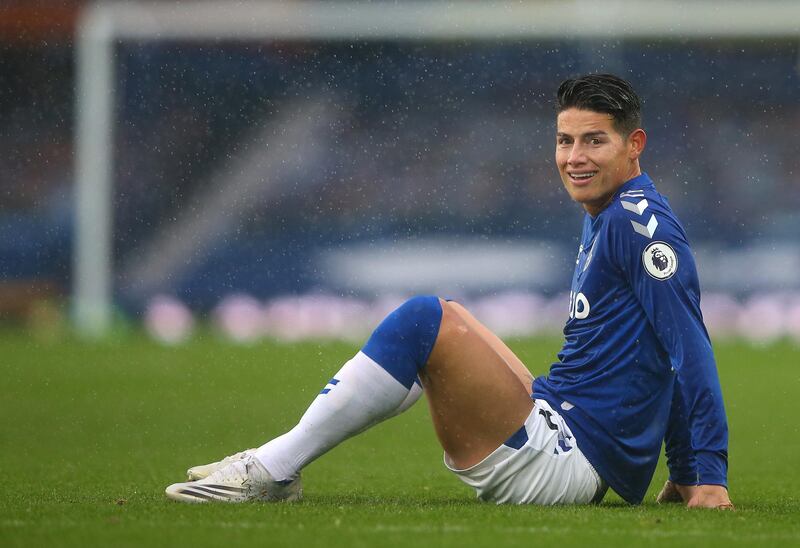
403	341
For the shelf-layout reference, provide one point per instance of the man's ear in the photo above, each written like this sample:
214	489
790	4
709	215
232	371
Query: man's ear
637	140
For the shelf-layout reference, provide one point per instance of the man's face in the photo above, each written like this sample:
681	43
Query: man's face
594	160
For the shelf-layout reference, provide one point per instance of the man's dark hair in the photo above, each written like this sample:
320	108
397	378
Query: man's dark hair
603	93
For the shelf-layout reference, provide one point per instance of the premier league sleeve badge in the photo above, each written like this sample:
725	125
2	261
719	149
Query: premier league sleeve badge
660	260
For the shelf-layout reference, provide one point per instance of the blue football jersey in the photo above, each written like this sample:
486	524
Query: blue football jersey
637	364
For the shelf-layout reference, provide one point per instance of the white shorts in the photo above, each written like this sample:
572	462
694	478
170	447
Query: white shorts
540	464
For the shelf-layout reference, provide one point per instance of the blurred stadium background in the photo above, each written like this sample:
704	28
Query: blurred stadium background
300	186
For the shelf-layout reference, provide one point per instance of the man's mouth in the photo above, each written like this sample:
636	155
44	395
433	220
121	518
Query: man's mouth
582	177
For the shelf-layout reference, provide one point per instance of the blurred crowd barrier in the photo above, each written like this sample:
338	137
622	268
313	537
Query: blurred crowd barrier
240	318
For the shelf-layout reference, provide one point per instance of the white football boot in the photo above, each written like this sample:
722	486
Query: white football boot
199	472
239	481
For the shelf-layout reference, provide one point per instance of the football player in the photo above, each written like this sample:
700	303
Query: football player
636	369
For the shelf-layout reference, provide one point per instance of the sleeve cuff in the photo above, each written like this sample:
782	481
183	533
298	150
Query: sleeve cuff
712	468
683	477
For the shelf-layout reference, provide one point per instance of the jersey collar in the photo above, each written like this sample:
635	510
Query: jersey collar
639	182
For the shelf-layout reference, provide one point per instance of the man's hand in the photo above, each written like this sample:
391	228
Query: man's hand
696	496
673	492
710	496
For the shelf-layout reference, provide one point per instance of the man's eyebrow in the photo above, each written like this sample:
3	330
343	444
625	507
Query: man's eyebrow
589	134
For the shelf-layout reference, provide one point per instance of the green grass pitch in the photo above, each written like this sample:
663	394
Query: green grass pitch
91	435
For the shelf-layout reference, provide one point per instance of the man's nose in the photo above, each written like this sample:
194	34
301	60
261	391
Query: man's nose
576	155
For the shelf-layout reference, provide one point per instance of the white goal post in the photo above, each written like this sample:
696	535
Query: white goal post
103	25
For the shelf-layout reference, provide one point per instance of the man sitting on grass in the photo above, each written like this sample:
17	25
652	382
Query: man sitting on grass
636	367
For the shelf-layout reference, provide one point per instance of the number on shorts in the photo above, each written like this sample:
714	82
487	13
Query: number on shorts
547	415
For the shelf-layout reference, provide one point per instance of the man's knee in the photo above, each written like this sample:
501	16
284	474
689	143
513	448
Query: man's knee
420	307
452	326
414	324
403	341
